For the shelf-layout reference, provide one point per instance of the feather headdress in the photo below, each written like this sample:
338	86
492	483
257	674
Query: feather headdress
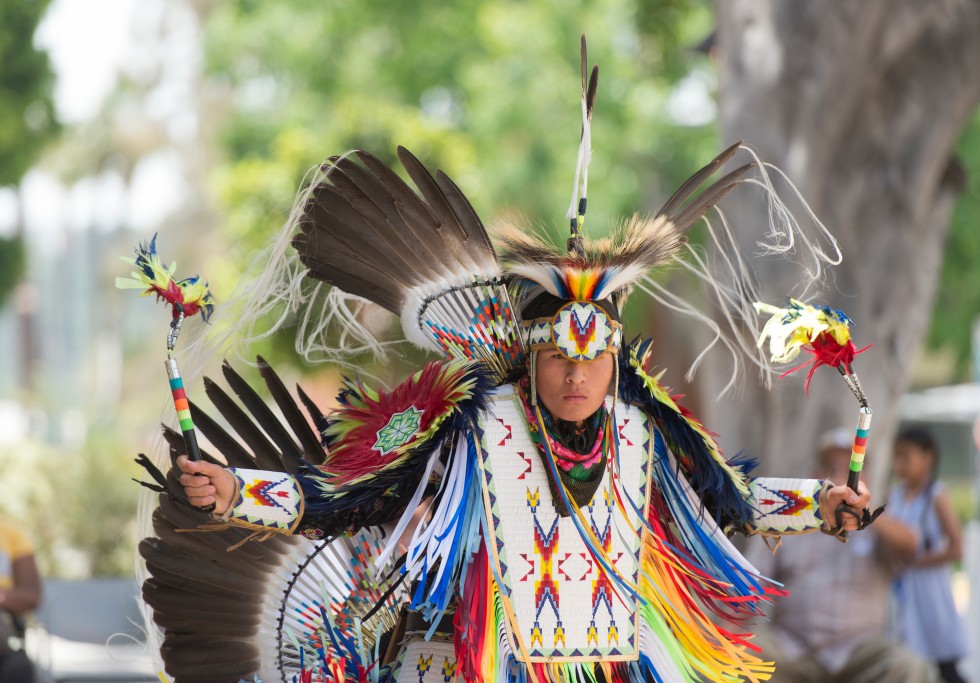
597	270
362	233
606	268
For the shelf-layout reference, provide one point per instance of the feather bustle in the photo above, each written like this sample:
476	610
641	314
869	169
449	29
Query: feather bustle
369	231
450	227
233	452
476	235
178	447
366	232
418	221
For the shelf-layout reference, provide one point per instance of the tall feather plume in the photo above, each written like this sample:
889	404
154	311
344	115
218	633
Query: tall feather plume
580	187
636	246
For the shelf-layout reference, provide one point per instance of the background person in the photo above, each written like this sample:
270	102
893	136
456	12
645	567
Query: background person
928	621
833	626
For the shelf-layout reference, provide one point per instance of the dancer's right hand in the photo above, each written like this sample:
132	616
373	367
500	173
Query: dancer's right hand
205	483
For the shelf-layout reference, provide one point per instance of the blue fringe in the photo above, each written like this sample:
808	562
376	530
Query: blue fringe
464	531
703	546
714	486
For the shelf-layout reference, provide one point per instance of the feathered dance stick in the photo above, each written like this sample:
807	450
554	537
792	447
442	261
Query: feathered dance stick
186	297
824	332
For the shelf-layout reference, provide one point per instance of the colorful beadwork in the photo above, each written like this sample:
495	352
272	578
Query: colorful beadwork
543	560
268	501
401	428
580	330
786	505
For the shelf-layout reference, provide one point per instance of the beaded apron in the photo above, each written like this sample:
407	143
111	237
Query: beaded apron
423	661
565	606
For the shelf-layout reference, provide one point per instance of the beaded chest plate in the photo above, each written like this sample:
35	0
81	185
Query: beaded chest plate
565	607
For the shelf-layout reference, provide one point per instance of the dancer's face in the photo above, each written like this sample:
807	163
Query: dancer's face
573	390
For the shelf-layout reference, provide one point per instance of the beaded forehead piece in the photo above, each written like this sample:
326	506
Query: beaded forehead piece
580	330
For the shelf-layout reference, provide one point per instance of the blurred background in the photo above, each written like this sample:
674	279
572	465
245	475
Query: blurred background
198	119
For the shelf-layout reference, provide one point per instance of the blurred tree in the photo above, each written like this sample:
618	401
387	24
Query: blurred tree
27	119
861	104
82	330
958	298
12	262
27	122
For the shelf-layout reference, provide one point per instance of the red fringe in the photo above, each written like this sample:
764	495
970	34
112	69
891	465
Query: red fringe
472	618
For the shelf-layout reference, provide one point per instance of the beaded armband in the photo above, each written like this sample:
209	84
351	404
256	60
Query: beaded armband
785	506
266	501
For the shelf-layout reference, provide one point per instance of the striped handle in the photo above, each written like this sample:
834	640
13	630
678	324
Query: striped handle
859	448
183	409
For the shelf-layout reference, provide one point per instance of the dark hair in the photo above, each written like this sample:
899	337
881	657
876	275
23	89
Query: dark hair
922	438
917	436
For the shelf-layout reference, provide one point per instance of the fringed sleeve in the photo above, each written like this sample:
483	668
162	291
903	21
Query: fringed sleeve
721	484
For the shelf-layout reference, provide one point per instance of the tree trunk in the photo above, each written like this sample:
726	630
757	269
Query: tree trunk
860	103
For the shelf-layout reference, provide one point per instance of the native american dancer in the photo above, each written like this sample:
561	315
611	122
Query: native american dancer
534	506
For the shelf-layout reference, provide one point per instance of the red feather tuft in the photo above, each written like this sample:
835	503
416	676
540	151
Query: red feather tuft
826	351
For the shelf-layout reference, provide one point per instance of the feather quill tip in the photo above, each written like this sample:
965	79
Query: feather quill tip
154	277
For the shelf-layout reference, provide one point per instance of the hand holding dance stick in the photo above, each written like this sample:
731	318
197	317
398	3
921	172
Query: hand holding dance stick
186	297
825	333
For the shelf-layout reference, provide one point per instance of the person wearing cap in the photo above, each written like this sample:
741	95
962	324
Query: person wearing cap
835	623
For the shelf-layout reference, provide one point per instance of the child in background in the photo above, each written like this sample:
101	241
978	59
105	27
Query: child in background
928	622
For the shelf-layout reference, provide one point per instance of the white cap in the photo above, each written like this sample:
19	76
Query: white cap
841	437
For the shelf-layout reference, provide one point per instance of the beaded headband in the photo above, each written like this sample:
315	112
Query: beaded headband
580	330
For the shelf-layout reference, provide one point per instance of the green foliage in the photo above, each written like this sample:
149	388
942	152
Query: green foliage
958	297
27	118
12	263
487	91
78	504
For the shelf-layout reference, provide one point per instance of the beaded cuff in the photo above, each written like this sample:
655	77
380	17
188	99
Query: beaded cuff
266	501
786	506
